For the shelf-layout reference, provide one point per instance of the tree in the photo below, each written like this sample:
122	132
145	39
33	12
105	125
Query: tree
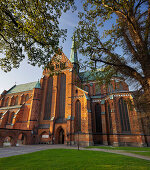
129	29
30	27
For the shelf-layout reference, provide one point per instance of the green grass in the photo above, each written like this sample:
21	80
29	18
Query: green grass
72	159
122	148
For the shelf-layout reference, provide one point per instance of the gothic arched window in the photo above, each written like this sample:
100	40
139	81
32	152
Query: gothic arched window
27	97
7	102
12	116
109	117
124	117
22	99
48	102
16	100
2	104
98	120
12	101
78	116
110	88
62	95
97	89
120	87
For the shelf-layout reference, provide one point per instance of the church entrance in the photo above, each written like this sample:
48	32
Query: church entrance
60	136
21	139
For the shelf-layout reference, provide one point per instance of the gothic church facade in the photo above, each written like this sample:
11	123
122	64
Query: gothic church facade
68	107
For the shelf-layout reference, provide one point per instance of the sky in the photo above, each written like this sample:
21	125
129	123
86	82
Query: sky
27	73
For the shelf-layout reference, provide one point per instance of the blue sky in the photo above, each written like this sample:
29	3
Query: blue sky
27	73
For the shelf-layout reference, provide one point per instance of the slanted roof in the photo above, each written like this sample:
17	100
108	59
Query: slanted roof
38	86
22	87
90	75
94	75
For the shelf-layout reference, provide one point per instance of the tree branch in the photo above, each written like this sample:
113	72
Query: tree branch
147	30
6	41
127	70
8	13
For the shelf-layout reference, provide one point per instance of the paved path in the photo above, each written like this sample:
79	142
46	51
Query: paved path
19	150
121	152
11	151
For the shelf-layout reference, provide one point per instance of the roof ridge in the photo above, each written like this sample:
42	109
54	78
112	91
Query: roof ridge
11	88
27	83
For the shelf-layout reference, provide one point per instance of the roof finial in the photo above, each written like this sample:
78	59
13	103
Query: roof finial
73	54
38	86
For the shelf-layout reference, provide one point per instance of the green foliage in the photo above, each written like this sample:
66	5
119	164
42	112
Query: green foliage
30	27
72	159
124	43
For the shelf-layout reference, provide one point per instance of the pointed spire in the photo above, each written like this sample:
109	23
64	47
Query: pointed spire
73	54
38	86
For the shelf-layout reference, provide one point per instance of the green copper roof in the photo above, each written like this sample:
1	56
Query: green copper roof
22	87
73	54
94	75
38	86
90	75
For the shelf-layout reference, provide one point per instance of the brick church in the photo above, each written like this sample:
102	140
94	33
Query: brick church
68	106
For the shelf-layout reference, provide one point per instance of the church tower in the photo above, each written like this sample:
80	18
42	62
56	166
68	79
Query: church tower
73	55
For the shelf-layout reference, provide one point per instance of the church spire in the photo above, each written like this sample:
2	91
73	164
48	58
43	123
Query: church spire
73	55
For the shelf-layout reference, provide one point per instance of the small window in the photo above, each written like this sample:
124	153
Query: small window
86	88
57	65
76	91
62	65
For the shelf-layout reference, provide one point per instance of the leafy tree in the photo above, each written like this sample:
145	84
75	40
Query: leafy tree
30	27
129	30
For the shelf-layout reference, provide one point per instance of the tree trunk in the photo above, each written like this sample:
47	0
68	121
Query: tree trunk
142	104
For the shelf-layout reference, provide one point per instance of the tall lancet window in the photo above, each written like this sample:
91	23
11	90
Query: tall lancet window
78	116
109	119
124	117
98	120
48	102
61	95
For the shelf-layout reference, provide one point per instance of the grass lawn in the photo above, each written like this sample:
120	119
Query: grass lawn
72	159
122	148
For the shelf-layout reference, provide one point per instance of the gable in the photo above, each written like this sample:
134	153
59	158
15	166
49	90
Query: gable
58	63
